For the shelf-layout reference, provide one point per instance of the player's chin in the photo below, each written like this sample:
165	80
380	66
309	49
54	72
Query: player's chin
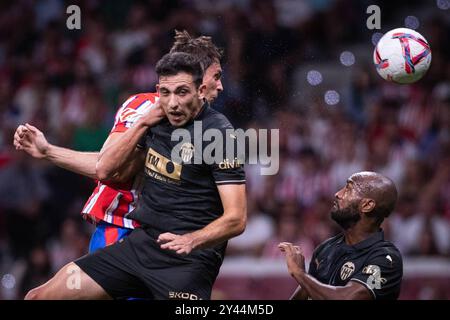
212	98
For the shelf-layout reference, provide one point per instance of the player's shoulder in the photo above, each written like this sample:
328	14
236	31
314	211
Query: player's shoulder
132	109
385	248
136	100
213	119
329	244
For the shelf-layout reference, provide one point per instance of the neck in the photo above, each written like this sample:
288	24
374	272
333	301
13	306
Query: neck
200	108
359	232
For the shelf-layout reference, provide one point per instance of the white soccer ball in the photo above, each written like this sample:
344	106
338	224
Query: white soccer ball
402	56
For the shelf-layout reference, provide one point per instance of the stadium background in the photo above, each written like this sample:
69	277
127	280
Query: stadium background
69	84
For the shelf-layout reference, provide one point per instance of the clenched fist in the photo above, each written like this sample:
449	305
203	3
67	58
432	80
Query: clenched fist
31	140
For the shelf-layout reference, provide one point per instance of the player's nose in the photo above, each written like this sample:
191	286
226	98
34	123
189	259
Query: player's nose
173	102
219	86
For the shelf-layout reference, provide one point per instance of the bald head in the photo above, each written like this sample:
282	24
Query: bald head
377	187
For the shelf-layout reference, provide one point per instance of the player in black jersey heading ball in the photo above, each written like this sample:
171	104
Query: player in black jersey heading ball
359	263
187	210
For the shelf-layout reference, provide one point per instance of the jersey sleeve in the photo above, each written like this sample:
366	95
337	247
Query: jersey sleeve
312	270
131	110
382	275
229	167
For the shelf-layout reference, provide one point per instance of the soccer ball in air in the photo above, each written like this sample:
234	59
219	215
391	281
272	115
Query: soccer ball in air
402	56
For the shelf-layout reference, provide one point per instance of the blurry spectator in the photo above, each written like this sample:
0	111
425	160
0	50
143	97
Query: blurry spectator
38	270
71	244
23	191
434	231
289	229
90	134
415	177
314	180
36	103
417	229
404	225
136	33
349	154
316	221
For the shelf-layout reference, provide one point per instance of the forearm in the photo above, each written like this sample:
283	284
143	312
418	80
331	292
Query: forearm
319	291
79	162
315	289
299	294
219	231
116	155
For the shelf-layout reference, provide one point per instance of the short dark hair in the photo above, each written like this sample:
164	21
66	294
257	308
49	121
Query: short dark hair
202	48
173	63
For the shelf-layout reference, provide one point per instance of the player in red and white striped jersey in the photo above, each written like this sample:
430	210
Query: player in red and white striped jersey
111	201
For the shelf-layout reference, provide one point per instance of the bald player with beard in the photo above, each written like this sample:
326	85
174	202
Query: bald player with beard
358	263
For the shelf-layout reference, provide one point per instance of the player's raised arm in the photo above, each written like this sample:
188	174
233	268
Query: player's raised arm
313	288
120	158
31	140
299	294
230	224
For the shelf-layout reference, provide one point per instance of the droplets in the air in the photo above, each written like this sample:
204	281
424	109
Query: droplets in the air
8	281
347	58
332	97
443	4
412	22
376	37
314	77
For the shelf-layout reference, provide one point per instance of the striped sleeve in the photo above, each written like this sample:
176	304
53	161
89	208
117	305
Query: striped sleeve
132	109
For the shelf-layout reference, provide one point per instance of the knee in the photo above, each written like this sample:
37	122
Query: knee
32	295
35	294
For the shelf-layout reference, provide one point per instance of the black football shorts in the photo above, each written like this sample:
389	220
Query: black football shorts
137	267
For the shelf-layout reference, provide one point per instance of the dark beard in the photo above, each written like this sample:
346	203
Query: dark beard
346	217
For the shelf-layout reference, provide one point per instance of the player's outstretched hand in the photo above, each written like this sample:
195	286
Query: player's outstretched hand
181	244
294	257
31	140
153	116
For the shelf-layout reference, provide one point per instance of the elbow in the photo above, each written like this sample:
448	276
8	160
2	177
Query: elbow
240	223
102	172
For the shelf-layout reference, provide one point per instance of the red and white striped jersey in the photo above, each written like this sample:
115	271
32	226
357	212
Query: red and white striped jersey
112	202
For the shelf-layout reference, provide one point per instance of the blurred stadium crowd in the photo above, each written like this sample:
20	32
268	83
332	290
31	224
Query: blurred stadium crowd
69	83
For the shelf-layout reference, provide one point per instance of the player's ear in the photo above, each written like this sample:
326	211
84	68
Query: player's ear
157	88
367	205
202	91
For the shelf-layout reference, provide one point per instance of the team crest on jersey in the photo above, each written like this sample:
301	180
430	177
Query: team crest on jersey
187	151
347	270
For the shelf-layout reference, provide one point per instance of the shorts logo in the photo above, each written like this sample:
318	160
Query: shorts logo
183	296
187	151
347	270
161	168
